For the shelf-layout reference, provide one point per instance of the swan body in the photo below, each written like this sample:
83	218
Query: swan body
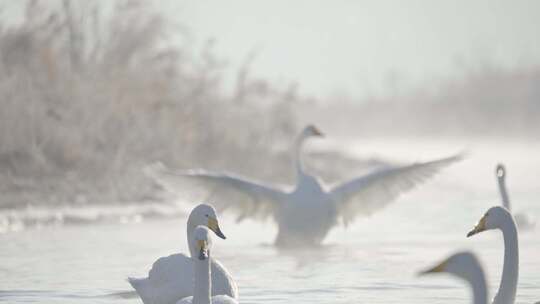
221	299
522	220
465	265
307	213
499	218
203	272
171	277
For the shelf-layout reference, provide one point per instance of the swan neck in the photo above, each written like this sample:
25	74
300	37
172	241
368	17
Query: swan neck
201	292
510	273
298	156
191	242
479	288
504	193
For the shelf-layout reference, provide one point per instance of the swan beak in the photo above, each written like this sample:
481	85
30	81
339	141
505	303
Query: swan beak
481	226
203	250
317	132
439	268
213	225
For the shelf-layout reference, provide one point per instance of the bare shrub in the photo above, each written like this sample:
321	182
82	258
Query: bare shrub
486	101
88	97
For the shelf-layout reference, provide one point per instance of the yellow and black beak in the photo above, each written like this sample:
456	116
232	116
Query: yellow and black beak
481	226
213	225
318	132
439	268
202	246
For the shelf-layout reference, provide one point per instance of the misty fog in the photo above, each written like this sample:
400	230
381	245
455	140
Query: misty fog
93	92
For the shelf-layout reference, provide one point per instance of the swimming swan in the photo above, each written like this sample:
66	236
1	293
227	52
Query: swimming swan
202	283
499	218
171	277
522	220
465	265
306	214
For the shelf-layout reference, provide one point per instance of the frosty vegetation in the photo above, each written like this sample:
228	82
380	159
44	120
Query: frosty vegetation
88	97
485	102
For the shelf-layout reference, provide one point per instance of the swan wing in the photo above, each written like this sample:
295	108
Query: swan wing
223	299
171	279
222	282
367	194
187	300
246	197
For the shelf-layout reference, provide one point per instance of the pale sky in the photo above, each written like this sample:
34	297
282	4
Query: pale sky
352	47
359	47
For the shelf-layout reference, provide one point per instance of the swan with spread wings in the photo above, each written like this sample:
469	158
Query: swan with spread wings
306	213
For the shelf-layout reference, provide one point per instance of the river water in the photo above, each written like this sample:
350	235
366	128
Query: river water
374	260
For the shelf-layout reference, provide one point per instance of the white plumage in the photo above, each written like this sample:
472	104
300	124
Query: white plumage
306	213
522	220
501	219
465	266
171	278
202	284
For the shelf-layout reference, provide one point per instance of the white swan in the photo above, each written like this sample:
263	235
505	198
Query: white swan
522	220
499	218
465	265
305	214
202	283
171	277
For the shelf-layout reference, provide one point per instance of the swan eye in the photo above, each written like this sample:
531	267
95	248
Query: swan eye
206	215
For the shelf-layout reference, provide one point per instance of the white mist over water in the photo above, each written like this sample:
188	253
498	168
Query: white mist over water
360	48
354	48
83	252
375	260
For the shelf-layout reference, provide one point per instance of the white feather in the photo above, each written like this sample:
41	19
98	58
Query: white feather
306	213
171	278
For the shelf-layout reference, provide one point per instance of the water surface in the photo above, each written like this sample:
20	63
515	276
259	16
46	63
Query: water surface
375	260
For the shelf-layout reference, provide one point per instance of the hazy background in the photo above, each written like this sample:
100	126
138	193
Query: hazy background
359	48
93	91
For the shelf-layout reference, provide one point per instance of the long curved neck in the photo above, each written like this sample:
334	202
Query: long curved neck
298	156
203	284
191	242
504	193
507	289
478	285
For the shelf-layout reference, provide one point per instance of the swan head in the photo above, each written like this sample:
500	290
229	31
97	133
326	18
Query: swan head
492	219
205	215
310	131
500	171
462	265
203	242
